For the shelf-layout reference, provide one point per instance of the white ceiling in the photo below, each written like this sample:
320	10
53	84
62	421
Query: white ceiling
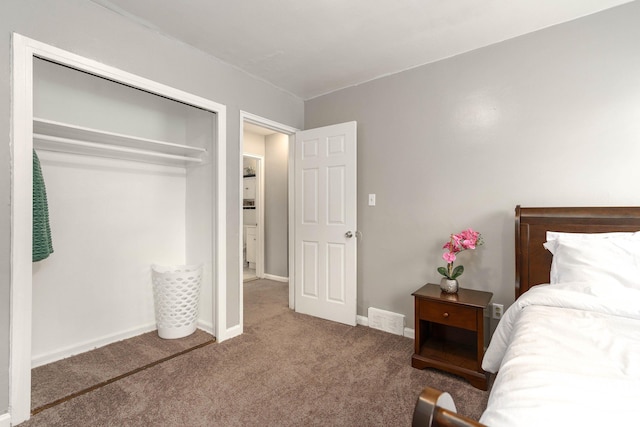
310	48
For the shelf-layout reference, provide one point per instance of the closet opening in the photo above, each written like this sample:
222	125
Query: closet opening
135	174
126	177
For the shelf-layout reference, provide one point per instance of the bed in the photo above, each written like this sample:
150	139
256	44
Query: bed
567	352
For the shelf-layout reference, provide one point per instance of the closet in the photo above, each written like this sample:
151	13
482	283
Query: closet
129	182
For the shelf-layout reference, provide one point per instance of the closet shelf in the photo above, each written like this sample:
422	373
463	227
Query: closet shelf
62	137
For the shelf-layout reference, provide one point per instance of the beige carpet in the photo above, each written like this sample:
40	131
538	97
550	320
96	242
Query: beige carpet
287	369
68	377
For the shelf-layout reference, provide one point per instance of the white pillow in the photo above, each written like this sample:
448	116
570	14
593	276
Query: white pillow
554	236
609	260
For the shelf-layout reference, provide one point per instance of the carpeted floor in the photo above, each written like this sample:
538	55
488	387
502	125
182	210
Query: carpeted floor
66	378
287	369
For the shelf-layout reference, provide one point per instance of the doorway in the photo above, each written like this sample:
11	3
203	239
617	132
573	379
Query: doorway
265	203
252	213
271	144
336	141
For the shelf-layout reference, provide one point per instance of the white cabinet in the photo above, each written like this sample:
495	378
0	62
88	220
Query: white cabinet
251	245
249	188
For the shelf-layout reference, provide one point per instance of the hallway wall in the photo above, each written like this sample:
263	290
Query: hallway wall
276	205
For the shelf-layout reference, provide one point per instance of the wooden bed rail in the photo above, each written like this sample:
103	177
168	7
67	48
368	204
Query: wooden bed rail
436	409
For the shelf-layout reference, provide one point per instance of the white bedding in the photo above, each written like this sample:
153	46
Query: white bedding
567	354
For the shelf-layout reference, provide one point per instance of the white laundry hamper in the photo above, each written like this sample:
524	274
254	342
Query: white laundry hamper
176	295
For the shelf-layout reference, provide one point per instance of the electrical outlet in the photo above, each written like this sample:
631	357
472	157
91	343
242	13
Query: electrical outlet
497	311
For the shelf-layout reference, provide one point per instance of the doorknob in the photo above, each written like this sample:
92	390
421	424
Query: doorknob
348	234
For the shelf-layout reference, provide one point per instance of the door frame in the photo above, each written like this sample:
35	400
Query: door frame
291	133
259	212
23	51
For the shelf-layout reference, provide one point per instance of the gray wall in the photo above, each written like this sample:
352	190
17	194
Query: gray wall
90	30
276	205
547	119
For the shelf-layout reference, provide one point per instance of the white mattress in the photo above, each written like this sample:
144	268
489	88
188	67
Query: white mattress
566	355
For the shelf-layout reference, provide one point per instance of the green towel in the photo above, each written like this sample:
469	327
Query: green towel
42	246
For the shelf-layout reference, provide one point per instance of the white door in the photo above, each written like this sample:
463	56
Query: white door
325	223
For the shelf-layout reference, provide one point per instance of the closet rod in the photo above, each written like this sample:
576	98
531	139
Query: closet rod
85	147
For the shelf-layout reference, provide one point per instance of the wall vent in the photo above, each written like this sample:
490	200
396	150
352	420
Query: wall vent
386	321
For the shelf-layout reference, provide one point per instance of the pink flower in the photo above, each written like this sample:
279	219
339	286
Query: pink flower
466	239
449	256
468	244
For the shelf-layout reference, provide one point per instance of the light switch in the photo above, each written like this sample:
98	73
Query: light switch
372	199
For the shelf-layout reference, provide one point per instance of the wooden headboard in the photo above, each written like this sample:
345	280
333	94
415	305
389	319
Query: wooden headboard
533	261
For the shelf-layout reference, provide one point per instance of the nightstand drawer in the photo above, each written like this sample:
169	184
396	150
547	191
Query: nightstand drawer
449	314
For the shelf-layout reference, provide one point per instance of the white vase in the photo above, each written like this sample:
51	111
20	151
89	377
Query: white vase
449	286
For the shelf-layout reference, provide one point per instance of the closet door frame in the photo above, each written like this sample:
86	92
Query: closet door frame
24	50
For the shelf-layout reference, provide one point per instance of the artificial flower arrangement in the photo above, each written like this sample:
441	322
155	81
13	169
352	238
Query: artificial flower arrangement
467	239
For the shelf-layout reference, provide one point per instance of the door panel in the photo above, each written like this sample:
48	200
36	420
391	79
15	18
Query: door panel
335	198
325	223
310	269
310	196
336	273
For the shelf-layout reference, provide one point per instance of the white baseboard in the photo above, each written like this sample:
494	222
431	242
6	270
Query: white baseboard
206	326
231	332
364	321
62	353
5	420
276	278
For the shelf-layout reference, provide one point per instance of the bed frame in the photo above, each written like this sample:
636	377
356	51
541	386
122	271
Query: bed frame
533	266
429	413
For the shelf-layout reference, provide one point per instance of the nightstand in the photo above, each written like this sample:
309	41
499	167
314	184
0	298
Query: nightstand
449	332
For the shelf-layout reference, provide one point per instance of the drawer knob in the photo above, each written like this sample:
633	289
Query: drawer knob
445	314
